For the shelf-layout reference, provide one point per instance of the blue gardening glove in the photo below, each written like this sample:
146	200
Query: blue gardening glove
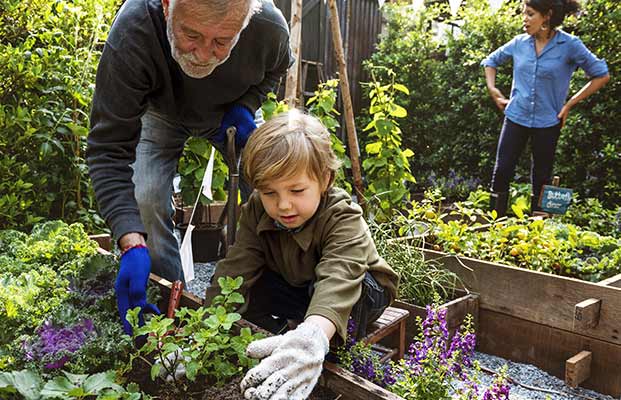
131	285
240	117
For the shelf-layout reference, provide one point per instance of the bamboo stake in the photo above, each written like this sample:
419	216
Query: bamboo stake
296	38
352	138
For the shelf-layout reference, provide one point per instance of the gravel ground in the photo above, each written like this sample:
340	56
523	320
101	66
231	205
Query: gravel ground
202	275
525	374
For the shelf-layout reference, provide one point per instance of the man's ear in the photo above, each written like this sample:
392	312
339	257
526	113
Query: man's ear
165	6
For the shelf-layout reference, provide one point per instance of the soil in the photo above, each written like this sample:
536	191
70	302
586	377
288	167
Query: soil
165	391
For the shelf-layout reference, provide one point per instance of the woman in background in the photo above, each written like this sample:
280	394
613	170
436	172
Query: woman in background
544	59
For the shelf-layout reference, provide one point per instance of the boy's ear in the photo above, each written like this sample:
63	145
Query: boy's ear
328	180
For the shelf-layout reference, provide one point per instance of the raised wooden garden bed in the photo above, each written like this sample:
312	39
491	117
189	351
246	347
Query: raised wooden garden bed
334	378
457	310
546	320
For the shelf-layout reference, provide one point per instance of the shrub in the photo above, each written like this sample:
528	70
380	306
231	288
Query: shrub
48	57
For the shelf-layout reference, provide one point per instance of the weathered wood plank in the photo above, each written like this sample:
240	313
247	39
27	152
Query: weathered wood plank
614	281
352	386
578	368
549	348
536	296
586	314
456	312
104	240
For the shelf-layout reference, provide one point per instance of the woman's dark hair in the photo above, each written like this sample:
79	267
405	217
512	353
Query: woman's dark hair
560	9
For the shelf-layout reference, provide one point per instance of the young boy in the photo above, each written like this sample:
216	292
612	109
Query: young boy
305	253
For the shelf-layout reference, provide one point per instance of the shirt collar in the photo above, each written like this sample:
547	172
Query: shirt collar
559	37
303	236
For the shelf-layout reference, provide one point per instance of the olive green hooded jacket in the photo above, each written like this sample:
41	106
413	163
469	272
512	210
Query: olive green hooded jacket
334	250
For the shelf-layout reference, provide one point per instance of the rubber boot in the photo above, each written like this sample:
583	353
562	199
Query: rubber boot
498	202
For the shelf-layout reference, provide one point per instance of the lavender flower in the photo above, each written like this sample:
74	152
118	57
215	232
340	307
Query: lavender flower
54	345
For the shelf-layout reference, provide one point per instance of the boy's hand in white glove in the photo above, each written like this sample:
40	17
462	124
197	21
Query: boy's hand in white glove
291	364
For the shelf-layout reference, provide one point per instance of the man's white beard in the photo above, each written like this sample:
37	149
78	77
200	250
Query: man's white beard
188	61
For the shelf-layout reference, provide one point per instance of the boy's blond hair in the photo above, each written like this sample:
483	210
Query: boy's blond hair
290	143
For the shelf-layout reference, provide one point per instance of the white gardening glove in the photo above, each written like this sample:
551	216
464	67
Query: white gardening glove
291	366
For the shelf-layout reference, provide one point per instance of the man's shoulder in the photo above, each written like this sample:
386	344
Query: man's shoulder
270	17
136	20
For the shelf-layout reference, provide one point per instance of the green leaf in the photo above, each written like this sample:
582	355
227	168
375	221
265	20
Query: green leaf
398	111
155	370
26	382
373	148
235	298
401	88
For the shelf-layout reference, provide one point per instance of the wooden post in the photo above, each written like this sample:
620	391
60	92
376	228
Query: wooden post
578	368
296	38
103	240
352	139
586	314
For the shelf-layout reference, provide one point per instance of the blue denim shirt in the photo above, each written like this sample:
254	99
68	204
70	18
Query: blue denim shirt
540	83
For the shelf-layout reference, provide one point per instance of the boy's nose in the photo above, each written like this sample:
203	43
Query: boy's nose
284	203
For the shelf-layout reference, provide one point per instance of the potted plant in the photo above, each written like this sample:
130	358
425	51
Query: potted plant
208	219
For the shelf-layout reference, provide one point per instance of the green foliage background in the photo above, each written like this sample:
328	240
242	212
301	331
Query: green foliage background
452	122
48	58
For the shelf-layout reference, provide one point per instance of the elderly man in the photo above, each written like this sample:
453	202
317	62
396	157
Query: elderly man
172	69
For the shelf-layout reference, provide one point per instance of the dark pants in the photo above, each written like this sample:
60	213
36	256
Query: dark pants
273	297
513	139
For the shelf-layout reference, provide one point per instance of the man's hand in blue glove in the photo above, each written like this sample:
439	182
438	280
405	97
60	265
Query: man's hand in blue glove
131	284
242	119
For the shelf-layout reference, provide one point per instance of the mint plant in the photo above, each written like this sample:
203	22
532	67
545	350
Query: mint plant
202	343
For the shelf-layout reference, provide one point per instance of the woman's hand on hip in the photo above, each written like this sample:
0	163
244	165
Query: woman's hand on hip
564	113
500	100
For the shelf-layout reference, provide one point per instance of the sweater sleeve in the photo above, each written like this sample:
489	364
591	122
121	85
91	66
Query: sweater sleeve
245	258
118	103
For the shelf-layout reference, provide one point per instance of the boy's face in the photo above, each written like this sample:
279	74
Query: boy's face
292	201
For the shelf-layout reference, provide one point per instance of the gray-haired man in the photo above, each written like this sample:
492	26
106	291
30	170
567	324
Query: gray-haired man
172	69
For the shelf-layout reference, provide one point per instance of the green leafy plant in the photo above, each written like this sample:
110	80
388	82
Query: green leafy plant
192	166
541	245
272	106
386	165
52	282
202	341
31	386
421	281
48	58
321	105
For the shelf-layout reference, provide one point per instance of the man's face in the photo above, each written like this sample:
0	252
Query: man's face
200	42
